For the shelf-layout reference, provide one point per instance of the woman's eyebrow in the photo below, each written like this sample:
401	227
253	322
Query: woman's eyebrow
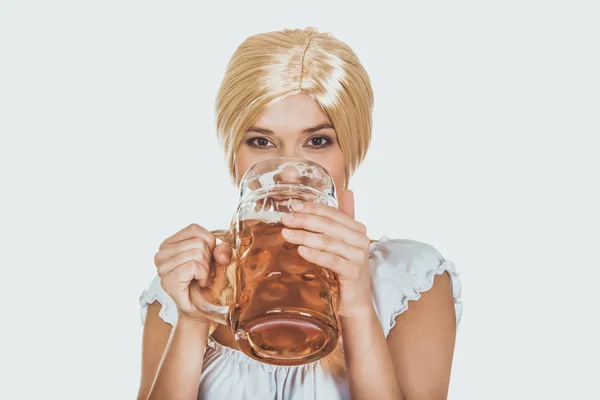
312	129
260	130
316	128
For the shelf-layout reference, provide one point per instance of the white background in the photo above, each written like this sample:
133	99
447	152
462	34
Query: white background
486	115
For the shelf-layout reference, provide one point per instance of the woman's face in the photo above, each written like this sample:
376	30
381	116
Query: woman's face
296	126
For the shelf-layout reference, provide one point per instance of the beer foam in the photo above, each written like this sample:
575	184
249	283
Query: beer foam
270	217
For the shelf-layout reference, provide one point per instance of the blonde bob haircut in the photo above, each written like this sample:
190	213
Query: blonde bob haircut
268	67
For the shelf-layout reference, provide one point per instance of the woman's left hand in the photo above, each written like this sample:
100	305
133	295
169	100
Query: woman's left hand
330	237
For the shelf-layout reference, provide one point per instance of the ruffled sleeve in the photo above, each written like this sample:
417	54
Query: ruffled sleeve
401	270
155	292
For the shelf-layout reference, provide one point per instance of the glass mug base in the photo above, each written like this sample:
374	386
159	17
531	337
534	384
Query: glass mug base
287	337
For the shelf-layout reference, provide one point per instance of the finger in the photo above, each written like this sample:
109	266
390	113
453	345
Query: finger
171	251
326	225
184	274
325	243
333	262
198	255
191	231
331	213
223	253
346	203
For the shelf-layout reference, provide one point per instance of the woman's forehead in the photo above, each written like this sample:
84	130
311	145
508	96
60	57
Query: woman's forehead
298	112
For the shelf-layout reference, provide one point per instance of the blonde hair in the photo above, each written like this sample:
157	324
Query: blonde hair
268	67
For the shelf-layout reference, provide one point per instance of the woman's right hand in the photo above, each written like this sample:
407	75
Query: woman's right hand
186	256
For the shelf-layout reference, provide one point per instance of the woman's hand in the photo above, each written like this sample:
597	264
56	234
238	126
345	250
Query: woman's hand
184	257
331	238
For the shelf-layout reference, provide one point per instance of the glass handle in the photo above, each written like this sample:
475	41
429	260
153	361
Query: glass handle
220	285
224	235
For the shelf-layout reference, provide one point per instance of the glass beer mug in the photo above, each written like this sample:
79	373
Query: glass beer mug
280	307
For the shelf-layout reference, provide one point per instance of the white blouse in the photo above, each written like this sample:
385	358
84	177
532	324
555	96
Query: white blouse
401	270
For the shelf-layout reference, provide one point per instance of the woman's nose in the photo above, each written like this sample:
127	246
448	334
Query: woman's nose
290	175
290	151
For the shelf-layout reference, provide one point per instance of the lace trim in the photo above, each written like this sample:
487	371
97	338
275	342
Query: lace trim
166	313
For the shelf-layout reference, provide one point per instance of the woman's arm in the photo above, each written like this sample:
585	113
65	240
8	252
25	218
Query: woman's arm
172	357
416	361
422	343
183	263
154	341
333	239
368	361
179	372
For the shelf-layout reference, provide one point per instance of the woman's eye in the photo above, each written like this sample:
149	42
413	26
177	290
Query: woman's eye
259	142
319	141
262	142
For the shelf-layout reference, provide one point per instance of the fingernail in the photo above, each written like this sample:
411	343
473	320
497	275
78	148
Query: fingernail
288	232
297	206
288	217
303	250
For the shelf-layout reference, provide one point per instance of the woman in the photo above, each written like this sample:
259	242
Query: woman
305	94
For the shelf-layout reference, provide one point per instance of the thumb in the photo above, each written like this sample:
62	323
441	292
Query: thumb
346	203
222	254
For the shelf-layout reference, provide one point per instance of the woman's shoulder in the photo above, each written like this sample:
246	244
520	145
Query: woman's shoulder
401	270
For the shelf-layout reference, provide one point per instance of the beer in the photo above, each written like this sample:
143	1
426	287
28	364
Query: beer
283	312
